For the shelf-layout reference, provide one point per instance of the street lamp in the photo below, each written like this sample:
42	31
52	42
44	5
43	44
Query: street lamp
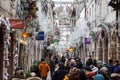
25	34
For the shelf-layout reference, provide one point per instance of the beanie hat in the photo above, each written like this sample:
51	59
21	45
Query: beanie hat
99	77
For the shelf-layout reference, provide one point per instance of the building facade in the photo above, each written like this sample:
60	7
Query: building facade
101	29
7	11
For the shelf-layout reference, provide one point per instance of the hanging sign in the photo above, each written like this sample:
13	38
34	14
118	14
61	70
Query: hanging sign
87	40
40	35
16	23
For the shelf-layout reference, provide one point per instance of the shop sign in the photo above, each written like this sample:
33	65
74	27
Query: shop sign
87	40
40	35
16	23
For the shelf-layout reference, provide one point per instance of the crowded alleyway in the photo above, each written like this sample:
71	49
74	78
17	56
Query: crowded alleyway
60	39
73	69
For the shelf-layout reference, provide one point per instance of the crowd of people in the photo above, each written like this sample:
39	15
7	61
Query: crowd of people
72	69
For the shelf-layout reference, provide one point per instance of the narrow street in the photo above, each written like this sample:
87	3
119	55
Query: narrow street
58	31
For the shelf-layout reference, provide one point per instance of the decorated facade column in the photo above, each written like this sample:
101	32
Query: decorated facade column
95	52
118	56
99	46
113	47
10	55
1	51
81	52
105	48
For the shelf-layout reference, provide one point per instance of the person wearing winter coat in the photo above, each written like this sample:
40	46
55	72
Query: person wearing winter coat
44	69
116	74
52	66
110	67
79	63
33	76
60	73
105	73
19	74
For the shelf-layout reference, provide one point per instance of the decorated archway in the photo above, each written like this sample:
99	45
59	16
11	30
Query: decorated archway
104	42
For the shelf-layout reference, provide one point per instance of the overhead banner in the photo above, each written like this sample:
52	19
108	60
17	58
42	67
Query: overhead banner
16	23
40	35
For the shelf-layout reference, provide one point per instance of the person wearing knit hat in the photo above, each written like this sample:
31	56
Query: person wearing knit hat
105	73
33	76
99	77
